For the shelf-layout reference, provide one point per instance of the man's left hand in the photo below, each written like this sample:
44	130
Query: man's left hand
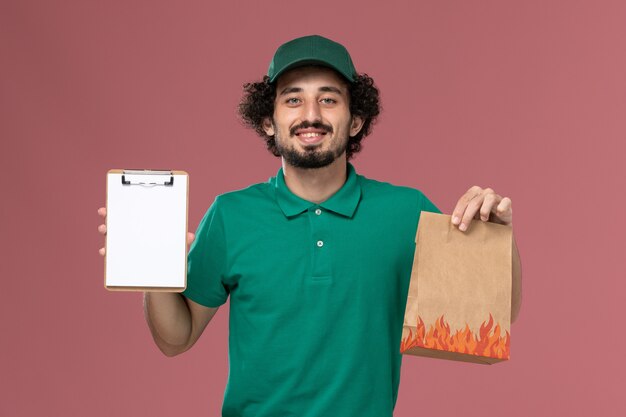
484	204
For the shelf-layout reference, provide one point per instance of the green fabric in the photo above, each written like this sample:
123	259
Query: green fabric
314	328
311	50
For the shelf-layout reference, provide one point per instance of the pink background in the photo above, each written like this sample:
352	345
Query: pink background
528	98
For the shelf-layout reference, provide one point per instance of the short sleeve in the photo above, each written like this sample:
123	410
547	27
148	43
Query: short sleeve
207	261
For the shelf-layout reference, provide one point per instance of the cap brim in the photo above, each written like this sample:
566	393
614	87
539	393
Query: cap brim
302	62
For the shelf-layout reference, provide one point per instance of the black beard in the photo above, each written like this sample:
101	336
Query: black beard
311	158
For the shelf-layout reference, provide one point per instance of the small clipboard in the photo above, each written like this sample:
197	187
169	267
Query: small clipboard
146	239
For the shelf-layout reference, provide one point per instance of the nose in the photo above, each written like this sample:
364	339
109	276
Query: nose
312	111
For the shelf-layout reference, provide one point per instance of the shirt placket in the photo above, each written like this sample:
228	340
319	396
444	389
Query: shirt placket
321	243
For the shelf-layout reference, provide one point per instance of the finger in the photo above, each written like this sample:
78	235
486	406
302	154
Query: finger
102	229
461	205
102	251
504	206
102	211
489	204
471	211
190	238
504	211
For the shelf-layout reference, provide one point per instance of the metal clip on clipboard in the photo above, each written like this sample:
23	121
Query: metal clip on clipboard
147	177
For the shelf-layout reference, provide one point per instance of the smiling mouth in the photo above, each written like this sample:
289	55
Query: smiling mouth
311	138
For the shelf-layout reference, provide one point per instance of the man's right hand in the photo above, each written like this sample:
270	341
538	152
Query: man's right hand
175	321
102	211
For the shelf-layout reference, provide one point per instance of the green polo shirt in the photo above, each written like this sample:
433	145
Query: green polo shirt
317	295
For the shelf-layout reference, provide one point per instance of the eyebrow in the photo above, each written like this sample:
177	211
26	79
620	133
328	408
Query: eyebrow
326	89
330	89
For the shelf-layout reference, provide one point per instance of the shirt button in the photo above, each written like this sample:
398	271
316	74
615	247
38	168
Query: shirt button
320	243
318	212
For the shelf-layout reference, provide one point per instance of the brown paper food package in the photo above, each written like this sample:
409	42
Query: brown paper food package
459	298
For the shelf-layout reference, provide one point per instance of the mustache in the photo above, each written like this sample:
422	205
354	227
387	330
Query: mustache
314	125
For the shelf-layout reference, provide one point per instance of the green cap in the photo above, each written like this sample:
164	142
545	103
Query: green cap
308	50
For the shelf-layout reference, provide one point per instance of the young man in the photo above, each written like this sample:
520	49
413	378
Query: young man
317	260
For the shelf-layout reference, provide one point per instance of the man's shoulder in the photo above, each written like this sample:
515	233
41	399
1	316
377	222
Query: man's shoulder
401	199
376	188
252	193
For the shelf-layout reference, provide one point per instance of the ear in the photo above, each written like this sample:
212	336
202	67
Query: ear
356	125
268	126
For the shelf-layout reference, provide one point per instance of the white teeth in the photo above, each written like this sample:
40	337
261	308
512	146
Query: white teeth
310	135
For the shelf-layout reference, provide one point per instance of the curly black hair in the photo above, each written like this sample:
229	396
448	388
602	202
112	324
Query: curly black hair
257	104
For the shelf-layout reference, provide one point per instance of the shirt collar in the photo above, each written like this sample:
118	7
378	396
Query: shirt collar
343	202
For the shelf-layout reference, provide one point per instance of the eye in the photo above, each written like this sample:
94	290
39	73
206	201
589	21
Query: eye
328	100
292	100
